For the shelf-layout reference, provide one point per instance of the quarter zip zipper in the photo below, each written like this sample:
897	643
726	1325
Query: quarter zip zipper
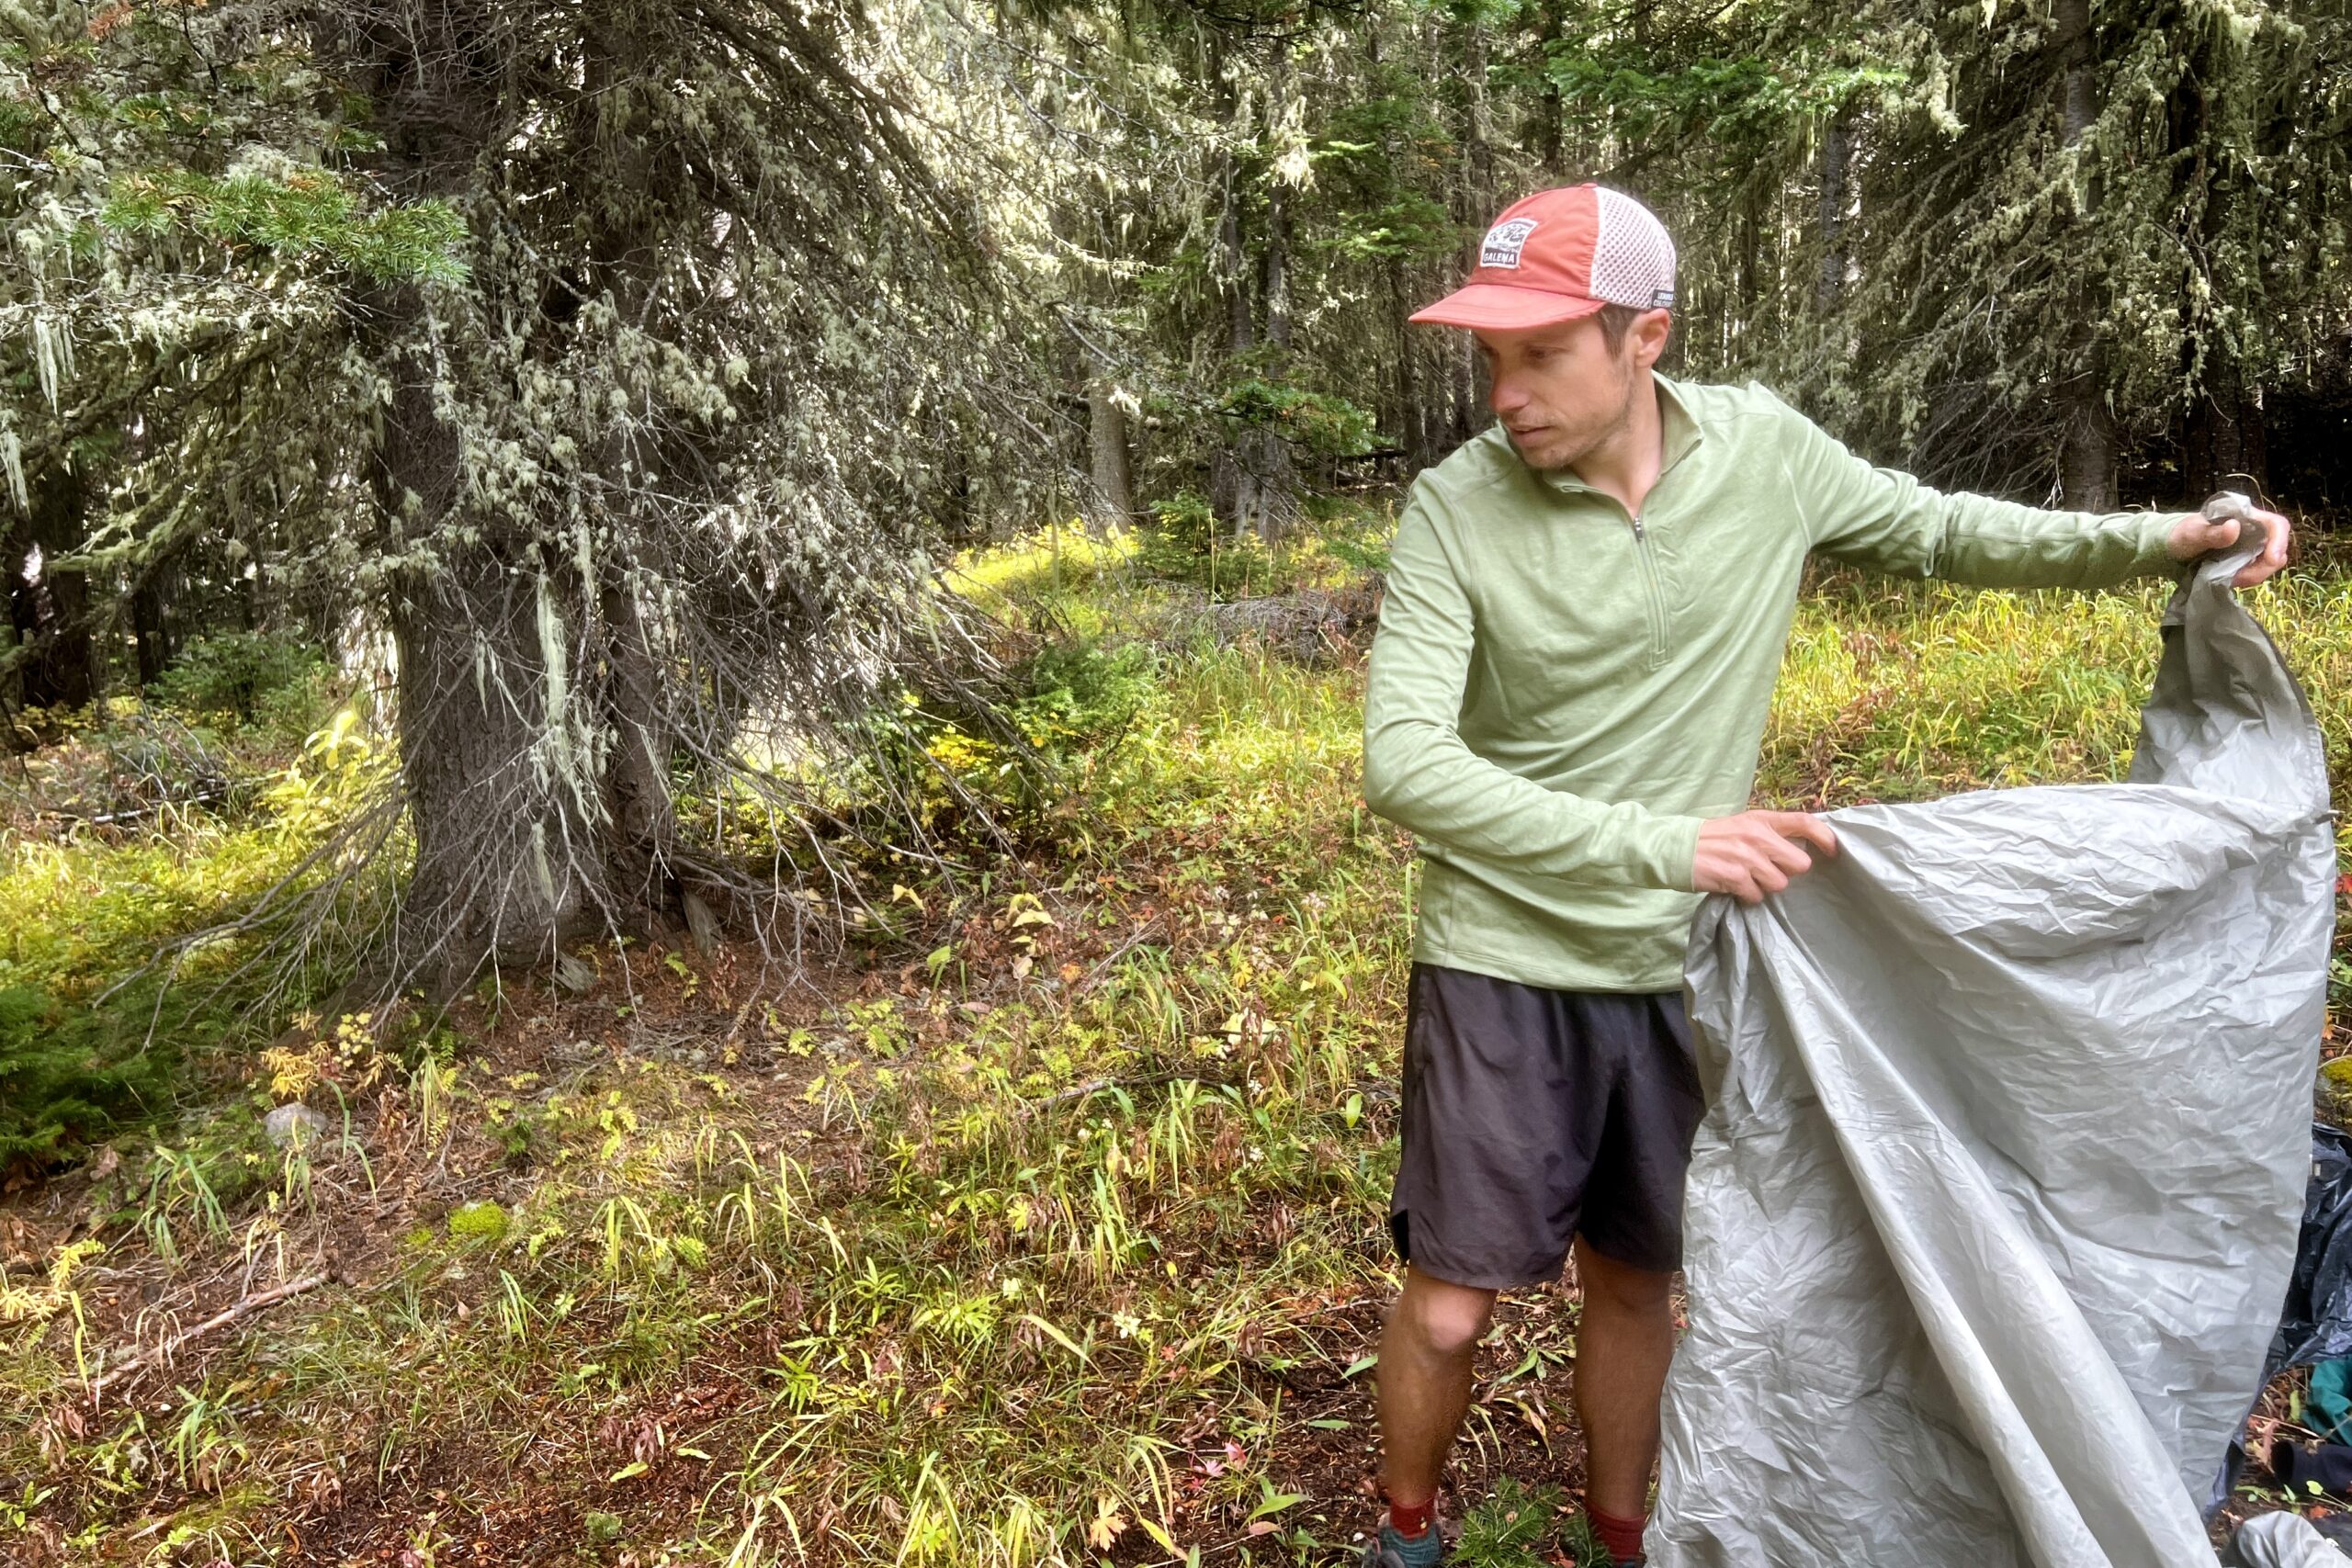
1652	588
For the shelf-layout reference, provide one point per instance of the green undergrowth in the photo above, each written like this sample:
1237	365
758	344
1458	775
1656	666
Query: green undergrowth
1894	691
1053	1236
135	824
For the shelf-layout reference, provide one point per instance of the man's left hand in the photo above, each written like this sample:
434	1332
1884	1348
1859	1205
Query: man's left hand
2197	534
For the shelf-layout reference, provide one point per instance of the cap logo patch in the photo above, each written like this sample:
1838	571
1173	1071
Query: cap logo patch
1504	241
1660	299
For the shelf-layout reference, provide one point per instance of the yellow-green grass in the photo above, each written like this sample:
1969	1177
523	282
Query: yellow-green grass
989	1261
1897	691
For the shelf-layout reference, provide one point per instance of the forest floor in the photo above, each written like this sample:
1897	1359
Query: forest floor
1046	1226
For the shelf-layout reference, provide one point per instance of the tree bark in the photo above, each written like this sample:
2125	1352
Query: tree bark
642	870
1468	402
2225	446
1233	477
1474	201
1278	264
1836	155
2078	53
504	863
57	662
641	857
499	791
150	624
2087	441
1270	455
1548	116
1751	270
1110	455
504	859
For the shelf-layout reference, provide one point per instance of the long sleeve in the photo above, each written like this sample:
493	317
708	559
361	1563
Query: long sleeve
1890	522
1420	773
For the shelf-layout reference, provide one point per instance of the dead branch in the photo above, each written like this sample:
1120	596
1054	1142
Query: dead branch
221	1319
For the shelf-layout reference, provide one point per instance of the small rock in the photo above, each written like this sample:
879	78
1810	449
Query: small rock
702	925
295	1126
572	977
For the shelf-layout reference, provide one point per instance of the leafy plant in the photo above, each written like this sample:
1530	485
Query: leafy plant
247	678
1082	696
1503	1529
1318	423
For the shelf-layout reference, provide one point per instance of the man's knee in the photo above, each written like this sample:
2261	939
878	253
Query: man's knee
1621	1286
1448	1318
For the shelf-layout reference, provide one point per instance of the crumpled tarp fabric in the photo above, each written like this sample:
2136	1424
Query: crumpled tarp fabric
1993	1211
2286	1540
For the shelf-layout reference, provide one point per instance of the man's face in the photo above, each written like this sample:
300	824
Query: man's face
1561	391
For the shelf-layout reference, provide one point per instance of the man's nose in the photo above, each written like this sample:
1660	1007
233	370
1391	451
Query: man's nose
1505	396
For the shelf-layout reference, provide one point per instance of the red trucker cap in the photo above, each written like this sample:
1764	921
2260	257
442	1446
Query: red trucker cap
1560	255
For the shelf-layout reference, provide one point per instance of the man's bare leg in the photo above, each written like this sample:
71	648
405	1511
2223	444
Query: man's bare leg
1426	1352
1624	1340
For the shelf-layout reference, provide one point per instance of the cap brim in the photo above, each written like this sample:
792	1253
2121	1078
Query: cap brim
1505	309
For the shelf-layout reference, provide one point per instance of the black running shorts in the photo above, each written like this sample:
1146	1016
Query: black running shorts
1534	1116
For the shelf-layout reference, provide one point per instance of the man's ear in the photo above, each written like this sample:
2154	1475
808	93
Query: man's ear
1649	332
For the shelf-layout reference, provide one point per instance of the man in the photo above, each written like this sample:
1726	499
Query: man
1585	611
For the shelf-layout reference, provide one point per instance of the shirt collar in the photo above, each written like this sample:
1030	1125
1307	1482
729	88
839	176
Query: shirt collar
1679	433
1679	427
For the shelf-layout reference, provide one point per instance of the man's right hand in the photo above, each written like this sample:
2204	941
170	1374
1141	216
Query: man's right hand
1756	852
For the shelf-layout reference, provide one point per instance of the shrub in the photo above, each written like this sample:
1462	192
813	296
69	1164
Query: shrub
1081	696
68	1078
248	678
1181	541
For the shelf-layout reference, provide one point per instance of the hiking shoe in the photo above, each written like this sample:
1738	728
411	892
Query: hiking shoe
1390	1550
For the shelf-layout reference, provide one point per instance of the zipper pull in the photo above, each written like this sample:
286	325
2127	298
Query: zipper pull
1638	529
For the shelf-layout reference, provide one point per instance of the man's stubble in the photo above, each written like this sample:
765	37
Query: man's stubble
1577	447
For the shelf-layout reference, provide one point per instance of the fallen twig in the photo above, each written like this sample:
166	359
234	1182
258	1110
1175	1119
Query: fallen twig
1142	934
227	1315
1077	1091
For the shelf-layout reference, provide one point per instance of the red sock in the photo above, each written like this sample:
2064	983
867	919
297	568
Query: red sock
1412	1518
1621	1538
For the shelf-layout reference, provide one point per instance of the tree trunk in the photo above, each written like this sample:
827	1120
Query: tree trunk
151	625
499	782
2226	445
1110	455
642	853
643	870
1547	101
57	658
2078	54
1468	400
1745	327
504	865
500	872
2227	449
1836	155
1233	477
1233	269
2087	443
1276	467
1278	264
1473	210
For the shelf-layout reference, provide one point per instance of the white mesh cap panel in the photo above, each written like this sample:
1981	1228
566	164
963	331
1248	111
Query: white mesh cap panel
1632	259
